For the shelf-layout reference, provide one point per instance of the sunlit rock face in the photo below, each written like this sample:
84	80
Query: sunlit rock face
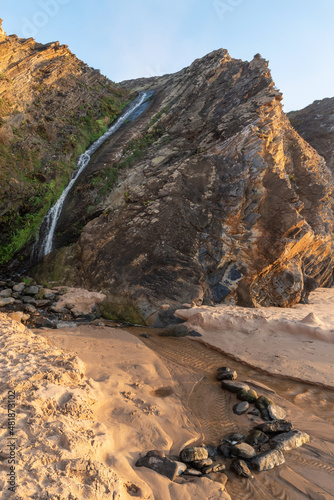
218	199
315	124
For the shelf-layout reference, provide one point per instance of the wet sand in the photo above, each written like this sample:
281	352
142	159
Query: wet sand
161	393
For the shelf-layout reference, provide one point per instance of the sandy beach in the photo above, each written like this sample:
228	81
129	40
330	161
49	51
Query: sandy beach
92	400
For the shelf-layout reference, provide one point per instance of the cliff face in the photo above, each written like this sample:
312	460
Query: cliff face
51	107
315	124
215	198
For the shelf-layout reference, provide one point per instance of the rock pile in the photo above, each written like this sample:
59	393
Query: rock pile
38	306
260	450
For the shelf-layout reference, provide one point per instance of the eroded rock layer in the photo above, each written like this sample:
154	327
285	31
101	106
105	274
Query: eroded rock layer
215	198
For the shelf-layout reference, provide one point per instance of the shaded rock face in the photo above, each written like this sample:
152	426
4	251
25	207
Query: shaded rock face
218	199
52	106
315	124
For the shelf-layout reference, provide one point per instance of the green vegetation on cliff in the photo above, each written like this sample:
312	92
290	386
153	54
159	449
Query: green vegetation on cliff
47	119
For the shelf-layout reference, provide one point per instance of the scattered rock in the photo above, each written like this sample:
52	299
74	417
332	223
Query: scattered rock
289	440
276	412
256	438
241	468
199	464
275	427
6	301
225	450
228	375
155	453
6	293
235	387
163	466
234	438
27	299
29	308
223	369
250	396
214	468
31	290
176	331
268	460
243	450
19	288
211	449
192	472
241	408
42	303
263	402
145	336
193	454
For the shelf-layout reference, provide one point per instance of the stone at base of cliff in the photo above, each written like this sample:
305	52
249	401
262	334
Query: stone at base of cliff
163	466
268	460
289	440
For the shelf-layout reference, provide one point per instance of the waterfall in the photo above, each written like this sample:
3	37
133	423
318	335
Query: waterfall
49	223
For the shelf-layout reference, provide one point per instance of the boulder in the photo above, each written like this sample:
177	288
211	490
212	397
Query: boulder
163	466
243	450
194	454
268	460
289	440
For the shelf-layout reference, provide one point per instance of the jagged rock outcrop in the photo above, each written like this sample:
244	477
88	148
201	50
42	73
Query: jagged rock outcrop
52	106
315	124
215	198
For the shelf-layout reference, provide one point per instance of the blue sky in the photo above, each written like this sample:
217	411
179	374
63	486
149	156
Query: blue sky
130	39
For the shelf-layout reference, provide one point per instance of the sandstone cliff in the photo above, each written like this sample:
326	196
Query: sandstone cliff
52	106
210	197
315	124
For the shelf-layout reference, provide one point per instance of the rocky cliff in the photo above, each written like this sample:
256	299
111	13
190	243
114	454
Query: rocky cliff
210	197
52	106
315	124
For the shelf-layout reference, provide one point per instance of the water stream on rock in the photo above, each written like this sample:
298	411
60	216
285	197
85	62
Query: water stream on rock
44	244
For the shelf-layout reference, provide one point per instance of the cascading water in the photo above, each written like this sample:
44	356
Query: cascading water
49	224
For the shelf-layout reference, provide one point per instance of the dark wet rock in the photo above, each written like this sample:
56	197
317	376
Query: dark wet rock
241	408
193	454
214	468
289	440
243	450
265	415
16	295
89	317
176	331
31	290
241	468
59	310
199	464
163	466
234	438
3	283
268	460
228	375
224	369
42	322
225	449
275	427
77	314
211	449
256	438
42	303
250	396
232	386
6	301
19	287
194	333
255	412
27	299
192	472
145	335
6	293
276	412
263	402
